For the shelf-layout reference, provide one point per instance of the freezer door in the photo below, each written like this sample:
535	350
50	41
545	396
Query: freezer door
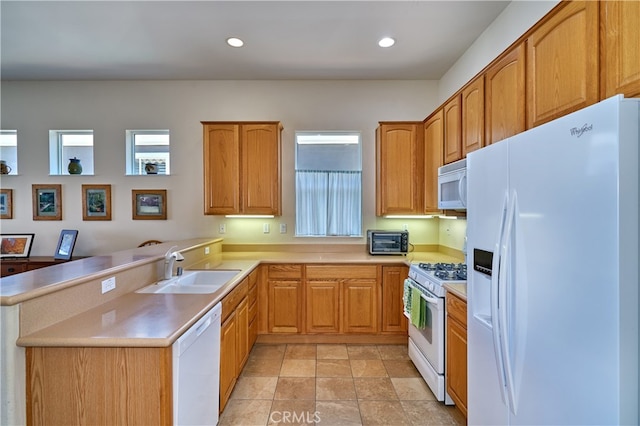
562	322
487	197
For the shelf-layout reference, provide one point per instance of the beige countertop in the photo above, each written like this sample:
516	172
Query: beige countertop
459	290
157	320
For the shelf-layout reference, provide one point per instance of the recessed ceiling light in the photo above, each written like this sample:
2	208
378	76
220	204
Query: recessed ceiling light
235	42
386	42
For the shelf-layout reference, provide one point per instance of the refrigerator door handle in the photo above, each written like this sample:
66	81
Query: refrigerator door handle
494	298
505	287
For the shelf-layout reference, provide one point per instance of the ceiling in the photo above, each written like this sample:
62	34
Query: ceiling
185	40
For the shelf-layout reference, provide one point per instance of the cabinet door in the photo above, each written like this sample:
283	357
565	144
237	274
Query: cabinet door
359	306
620	23
323	306
261	169
433	142
452	130
222	168
473	116
456	362
228	358
284	306
505	96
242	333
399	170
393	319
562	63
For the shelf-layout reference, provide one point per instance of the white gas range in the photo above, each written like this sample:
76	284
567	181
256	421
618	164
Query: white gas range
427	344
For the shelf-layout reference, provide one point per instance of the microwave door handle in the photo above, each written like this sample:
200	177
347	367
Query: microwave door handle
462	185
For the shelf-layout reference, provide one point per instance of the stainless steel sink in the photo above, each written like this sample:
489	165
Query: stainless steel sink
193	282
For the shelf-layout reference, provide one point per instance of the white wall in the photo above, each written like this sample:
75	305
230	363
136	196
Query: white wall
109	108
514	21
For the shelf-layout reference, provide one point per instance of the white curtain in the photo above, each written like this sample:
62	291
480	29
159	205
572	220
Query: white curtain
328	203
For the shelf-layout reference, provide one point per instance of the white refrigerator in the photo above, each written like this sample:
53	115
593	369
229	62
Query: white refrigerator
552	227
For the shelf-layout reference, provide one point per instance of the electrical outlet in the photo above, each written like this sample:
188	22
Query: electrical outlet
222	228
405	227
108	284
266	228
207	250
283	228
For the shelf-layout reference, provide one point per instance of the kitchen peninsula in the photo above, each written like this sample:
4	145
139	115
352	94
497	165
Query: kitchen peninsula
62	308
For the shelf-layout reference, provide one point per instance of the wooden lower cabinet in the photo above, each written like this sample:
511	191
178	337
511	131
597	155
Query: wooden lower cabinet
235	343
16	266
456	351
284	300
99	386
323	307
393	319
228	357
360	314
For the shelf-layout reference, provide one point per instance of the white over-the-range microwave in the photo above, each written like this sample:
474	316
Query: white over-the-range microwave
452	186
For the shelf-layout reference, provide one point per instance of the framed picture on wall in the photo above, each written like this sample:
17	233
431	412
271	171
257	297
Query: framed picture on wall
66	243
6	203
16	245
47	202
149	204
96	202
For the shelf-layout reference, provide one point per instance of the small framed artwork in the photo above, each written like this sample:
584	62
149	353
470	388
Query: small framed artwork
149	204
6	203
66	243
16	245
96	202
47	203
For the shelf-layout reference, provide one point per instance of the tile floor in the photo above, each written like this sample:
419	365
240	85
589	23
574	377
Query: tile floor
333	385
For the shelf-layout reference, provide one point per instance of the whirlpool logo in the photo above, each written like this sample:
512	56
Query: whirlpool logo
579	131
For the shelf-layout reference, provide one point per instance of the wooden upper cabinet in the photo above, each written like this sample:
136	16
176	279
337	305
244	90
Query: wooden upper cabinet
242	173
505	96
399	149
433	141
222	168
452	130
261	168
473	116
562	63
620	44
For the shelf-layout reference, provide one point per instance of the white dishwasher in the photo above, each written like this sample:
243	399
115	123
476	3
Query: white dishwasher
196	372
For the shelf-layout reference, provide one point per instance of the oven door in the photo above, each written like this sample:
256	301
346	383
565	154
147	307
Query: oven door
430	339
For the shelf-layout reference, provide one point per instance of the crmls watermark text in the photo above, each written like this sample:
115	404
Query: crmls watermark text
579	131
294	417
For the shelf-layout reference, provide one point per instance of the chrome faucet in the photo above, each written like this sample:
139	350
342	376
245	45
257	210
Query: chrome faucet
169	258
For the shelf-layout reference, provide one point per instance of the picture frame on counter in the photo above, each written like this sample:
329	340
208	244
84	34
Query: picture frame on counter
47	201
16	245
96	202
149	204
6	203
66	243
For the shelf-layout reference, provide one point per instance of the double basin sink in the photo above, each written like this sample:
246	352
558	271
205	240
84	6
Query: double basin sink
193	282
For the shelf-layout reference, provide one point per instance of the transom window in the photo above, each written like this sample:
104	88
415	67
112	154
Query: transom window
148	152
65	145
328	184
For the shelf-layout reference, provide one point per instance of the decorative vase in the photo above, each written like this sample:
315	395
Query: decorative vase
75	168
151	168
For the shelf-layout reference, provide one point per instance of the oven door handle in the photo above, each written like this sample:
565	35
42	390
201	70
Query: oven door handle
432	300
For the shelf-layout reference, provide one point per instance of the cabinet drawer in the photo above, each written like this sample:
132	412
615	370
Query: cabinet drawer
233	299
253	294
457	309
285	271
337	272
253	311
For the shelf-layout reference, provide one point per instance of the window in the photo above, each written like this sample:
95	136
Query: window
65	145
9	150
328	184
147	152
